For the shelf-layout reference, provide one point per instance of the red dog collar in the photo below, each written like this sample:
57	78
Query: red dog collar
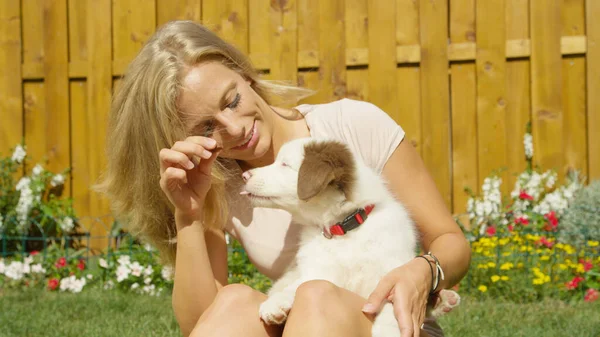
350	222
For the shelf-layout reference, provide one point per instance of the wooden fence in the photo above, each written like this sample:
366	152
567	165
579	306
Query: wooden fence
463	77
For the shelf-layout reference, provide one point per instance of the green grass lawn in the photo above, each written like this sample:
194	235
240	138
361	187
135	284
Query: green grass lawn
98	313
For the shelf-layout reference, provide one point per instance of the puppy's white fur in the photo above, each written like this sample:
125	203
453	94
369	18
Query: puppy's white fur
357	260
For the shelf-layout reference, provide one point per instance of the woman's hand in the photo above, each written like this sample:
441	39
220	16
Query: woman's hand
185	176
407	287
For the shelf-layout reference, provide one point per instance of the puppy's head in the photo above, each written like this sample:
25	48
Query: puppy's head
307	178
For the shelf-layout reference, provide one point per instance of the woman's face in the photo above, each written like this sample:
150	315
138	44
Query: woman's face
219	103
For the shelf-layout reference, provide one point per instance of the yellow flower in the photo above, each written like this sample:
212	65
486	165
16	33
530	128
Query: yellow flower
478	250
580	268
506	254
538	281
545	258
503	241
495	278
491	264
507	266
562	266
482	266
519	265
504	278
482	288
593	243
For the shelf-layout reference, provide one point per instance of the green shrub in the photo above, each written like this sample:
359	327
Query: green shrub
581	221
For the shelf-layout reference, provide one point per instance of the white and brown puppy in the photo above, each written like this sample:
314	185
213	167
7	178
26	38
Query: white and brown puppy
354	230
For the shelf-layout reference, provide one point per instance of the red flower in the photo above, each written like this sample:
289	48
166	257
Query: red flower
490	231
81	265
61	262
522	221
591	295
511	228
52	283
545	242
523	195
574	283
552	221
34	253
587	264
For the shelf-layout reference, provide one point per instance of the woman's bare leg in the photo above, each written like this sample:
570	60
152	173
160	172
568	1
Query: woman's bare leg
234	312
323	309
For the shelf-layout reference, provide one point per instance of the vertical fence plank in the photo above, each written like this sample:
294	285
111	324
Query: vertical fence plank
81	153
491	93
229	19
11	105
259	46
573	91
36	121
284	41
518	90
133	23
593	87
546	82
167	10
56	77
308	44
77	32
332	51
408	75
357	38
464	107
99	86
435	98
33	45
382	56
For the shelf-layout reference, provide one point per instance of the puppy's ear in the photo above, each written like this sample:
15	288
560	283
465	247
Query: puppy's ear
314	175
325	163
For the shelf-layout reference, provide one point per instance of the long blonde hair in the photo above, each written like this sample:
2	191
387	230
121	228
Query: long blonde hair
144	118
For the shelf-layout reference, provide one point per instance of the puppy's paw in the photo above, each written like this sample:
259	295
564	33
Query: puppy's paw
448	300
275	309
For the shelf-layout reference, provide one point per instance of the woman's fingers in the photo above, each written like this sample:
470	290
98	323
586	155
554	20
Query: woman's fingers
172	178
183	153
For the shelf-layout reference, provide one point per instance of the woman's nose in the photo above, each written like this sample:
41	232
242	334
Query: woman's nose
231	125
246	175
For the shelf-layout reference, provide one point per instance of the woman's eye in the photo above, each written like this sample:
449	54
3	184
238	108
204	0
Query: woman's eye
236	102
208	128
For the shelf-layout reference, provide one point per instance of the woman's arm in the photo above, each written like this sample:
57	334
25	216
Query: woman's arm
414	187
200	271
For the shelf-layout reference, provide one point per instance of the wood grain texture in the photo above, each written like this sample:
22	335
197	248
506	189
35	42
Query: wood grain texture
546	85
593	87
11	104
435	98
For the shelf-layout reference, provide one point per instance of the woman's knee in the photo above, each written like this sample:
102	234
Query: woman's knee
317	293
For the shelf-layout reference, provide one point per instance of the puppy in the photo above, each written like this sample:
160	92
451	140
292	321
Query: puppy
354	231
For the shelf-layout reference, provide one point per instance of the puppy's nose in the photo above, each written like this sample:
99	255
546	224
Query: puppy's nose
246	175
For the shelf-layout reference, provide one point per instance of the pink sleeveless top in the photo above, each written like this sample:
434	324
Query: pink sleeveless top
266	234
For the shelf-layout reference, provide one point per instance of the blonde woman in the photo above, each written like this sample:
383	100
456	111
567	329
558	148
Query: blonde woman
190	115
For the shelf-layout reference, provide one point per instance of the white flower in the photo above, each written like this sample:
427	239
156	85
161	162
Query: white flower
57	180
102	263
136	269
148	270
528	143
109	285
147	280
148	247
72	284
37	170
28	260
90	276
66	224
15	270
167	273
37	268
19	154
122	272
124	260
23	183
135	286
149	289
